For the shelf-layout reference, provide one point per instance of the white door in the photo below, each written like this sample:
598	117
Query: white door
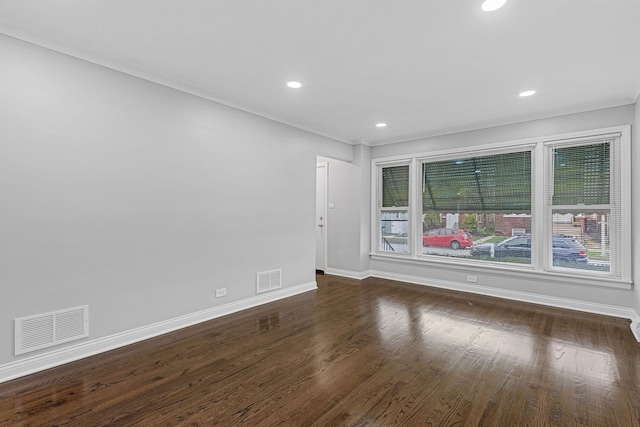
321	216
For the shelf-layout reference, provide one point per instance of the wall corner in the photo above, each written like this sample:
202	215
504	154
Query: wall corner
635	326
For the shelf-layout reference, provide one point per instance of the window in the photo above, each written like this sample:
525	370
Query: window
393	214
556	206
475	198
583	207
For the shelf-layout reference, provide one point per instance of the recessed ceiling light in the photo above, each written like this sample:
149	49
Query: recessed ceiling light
491	5
527	93
294	85
381	125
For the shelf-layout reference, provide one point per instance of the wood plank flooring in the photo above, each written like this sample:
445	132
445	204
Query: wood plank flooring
354	353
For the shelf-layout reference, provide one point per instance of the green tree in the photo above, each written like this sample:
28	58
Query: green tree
431	220
470	223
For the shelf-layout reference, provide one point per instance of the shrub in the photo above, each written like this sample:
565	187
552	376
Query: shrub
470	223
431	220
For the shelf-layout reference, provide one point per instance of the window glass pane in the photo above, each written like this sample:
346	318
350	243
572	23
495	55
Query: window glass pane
395	186
514	249
477	203
581	175
394	226
498	183
581	239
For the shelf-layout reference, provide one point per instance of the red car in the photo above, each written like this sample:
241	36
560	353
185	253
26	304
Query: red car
454	238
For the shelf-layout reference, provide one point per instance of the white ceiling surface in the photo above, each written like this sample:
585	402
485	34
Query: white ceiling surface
424	67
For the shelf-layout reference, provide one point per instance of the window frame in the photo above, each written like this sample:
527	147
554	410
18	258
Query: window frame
376	232
619	183
453	155
541	235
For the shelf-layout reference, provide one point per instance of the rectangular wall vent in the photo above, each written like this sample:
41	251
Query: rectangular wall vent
269	280
49	329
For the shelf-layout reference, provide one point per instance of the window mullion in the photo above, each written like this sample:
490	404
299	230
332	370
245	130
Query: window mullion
539	209
416	208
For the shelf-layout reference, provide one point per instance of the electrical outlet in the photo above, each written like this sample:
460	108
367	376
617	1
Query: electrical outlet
472	279
222	292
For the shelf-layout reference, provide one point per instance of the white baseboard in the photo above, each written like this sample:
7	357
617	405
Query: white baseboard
347	273
635	325
20	368
589	307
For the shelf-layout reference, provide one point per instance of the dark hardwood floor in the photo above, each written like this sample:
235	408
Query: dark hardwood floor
367	353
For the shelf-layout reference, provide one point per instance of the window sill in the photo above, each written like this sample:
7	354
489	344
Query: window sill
526	272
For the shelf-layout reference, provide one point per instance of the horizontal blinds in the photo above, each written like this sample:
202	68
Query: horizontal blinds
496	183
581	174
395	186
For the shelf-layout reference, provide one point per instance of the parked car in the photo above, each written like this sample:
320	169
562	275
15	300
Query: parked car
453	238
565	248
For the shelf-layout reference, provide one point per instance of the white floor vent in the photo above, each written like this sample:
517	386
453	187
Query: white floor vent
49	329
269	280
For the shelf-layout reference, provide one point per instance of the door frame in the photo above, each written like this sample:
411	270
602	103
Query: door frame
323	210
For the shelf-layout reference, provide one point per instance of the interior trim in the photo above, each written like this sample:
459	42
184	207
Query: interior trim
635	325
347	273
503	270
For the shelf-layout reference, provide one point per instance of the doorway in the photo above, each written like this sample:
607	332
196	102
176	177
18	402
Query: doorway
321	217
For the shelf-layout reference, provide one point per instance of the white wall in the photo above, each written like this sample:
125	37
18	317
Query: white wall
552	126
140	200
362	158
593	298
635	152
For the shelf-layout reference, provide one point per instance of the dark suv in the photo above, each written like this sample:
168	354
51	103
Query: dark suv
565	248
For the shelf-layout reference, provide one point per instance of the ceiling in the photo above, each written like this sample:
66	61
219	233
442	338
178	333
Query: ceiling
423	67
